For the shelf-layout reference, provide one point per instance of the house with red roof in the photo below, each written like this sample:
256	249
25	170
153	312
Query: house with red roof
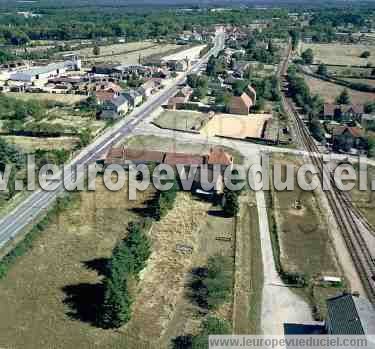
241	104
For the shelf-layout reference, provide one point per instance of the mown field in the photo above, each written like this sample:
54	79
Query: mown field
330	91
62	98
341	54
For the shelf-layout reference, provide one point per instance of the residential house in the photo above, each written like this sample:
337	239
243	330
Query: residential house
346	138
350	314
240	104
147	88
239	68
368	122
115	108
180	98
205	163
134	97
343	113
104	96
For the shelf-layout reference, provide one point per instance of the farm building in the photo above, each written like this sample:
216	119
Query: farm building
40	73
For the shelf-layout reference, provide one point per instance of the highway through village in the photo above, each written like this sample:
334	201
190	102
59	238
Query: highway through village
38	202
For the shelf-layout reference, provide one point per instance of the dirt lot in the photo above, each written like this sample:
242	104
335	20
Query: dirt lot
181	120
341	54
330	91
63	98
30	144
236	126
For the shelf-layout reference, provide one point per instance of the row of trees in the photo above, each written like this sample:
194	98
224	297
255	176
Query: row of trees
129	257
91	23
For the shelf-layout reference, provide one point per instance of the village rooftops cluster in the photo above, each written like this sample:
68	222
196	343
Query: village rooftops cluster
125	156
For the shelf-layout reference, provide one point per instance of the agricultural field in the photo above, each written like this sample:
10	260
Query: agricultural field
125	54
115	49
181	120
330	91
341	54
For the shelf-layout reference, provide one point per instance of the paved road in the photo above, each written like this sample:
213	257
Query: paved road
28	211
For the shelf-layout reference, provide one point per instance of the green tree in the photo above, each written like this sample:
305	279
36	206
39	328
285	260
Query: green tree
365	54
138	245
343	98
308	56
322	70
231	204
96	50
116	309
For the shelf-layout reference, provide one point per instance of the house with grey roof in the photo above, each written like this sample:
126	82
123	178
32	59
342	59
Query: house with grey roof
115	108
134	97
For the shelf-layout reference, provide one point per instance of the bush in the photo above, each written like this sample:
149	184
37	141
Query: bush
213	285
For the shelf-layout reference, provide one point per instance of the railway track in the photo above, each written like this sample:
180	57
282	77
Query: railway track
350	220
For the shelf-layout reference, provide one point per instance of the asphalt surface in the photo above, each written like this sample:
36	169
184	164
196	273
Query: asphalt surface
31	208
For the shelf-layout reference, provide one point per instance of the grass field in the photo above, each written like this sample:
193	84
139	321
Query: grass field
341	54
330	91
62	98
347	71
249	270
304	238
181	120
305	244
48	296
